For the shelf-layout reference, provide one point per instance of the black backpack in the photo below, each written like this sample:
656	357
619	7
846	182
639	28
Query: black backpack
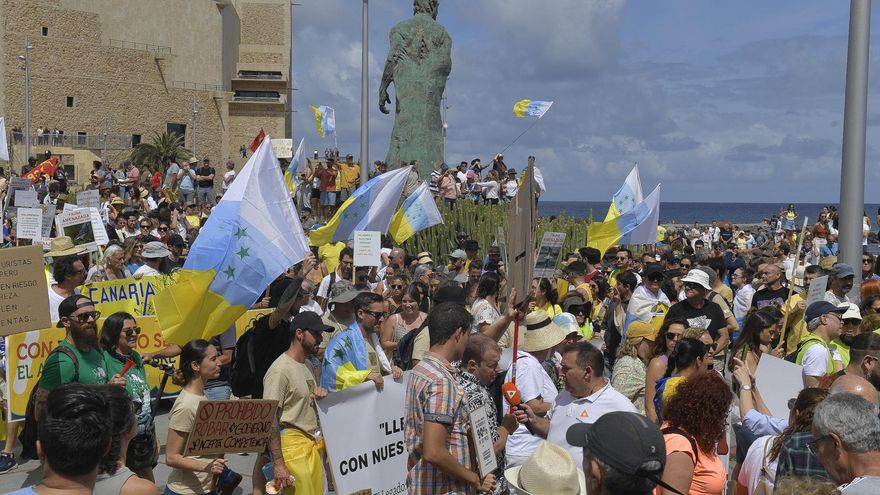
28	435
250	362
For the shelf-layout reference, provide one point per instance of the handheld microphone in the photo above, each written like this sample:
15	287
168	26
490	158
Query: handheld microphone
514	398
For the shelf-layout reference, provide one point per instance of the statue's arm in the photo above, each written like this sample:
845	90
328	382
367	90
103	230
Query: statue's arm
394	53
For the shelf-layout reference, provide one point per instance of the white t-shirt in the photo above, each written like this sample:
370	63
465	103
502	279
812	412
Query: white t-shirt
226	183
147	271
490	187
569	410
324	286
532	382
54	302
750	471
815	361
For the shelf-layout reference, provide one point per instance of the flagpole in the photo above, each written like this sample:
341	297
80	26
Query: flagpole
529	128
365	89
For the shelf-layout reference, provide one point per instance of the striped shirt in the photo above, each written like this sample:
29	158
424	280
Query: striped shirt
433	394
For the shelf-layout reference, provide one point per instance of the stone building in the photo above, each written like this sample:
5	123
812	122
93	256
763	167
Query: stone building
111	73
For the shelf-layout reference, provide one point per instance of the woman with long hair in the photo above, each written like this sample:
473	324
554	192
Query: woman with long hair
424	296
695	422
544	297
394	293
869	288
133	248
870	305
113	267
485	307
687	359
113	475
407	318
193	474
628	376
669	335
761	461
118	341
760	328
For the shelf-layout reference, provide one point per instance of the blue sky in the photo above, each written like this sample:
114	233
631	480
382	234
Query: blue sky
719	101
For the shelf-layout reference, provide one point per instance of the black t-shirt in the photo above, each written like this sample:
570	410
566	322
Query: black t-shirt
269	343
205	171
767	296
709	317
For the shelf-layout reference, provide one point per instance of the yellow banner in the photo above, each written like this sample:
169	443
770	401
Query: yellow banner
26	353
127	294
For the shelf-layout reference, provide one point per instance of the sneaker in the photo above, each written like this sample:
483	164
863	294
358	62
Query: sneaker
7	462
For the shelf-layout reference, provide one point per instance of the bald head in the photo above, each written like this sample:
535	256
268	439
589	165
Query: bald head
855	385
397	256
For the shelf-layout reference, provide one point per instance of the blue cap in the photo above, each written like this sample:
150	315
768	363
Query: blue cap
820	308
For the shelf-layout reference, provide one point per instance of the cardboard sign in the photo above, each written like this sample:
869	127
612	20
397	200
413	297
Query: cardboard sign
29	223
818	287
522	219
17	184
481	434
779	380
502	243
88	199
367	248
24	297
231	426
84	226
26	199
283	148
363	430
548	255
48	220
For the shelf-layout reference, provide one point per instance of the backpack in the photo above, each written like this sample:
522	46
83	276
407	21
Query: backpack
250	362
671	430
403	353
28	435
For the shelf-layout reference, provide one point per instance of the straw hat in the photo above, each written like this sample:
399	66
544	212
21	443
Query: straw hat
63	246
541	333
549	470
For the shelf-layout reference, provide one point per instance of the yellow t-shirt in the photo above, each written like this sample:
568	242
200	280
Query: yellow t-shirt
194	221
797	327
292	384
348	174
181	418
329	254
551	309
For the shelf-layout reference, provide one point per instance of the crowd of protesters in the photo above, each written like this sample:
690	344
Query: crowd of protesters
635	372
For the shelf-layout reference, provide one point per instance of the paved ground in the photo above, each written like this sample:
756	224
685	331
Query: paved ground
29	473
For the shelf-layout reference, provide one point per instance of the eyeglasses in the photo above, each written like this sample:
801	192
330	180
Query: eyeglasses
132	331
376	314
84	317
621	258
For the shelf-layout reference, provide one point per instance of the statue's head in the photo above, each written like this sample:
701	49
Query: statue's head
426	7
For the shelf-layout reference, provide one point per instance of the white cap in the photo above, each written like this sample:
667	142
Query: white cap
698	276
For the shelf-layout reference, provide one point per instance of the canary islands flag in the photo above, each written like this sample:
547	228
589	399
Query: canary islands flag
602	235
370	207
325	119
628	196
291	175
346	360
531	108
252	236
418	212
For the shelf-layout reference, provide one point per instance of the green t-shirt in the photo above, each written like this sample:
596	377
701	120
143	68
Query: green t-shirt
59	368
135	383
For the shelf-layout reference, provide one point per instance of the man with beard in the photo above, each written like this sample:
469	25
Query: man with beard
864	358
77	358
840	278
292	383
851	321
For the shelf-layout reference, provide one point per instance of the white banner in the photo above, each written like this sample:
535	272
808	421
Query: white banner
4	146
363	431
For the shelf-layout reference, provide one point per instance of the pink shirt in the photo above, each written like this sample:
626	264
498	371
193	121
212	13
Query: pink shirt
447	188
133	174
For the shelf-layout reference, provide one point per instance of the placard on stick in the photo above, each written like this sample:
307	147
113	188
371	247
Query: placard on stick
817	290
24	298
481	434
84	226
231	426
88	199
367	248
779	380
26	199
283	148
548	254
29	223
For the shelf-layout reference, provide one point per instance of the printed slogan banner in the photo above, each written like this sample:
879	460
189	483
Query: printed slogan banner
370	453
231	426
127	294
26	353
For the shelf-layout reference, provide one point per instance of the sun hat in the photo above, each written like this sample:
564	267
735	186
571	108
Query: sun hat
63	246
343	291
155	249
193	160
698	277
625	441
424	258
567	322
541	333
641	329
550	469
117	201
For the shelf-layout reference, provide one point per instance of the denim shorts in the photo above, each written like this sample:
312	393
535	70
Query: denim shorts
328	198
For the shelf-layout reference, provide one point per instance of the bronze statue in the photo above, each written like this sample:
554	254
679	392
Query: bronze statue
419	62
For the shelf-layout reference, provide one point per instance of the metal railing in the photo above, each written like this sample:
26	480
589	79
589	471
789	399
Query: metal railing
76	141
272	76
258	99
196	86
134	45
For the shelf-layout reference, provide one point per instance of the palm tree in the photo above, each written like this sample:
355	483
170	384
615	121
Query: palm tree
164	147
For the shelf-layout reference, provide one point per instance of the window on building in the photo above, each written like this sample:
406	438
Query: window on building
81	138
69	102
135	140
45	31
70	171
178	129
257	95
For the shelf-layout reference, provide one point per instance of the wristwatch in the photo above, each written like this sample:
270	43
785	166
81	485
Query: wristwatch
746	387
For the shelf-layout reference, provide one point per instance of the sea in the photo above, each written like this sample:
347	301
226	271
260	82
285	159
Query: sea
688	213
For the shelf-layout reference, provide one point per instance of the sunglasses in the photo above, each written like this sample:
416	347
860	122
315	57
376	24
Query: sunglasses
692	285
866	262
685	265
393	286
145	226
84	317
163	229
673	336
376	314
132	331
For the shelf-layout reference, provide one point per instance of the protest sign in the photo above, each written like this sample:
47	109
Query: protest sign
367	250
817	290
48	221
26	199
369	453
521	250
231	426
88	199
84	226
548	255
481	434
17	184
29	223
24	299
127	294
283	148
780	380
